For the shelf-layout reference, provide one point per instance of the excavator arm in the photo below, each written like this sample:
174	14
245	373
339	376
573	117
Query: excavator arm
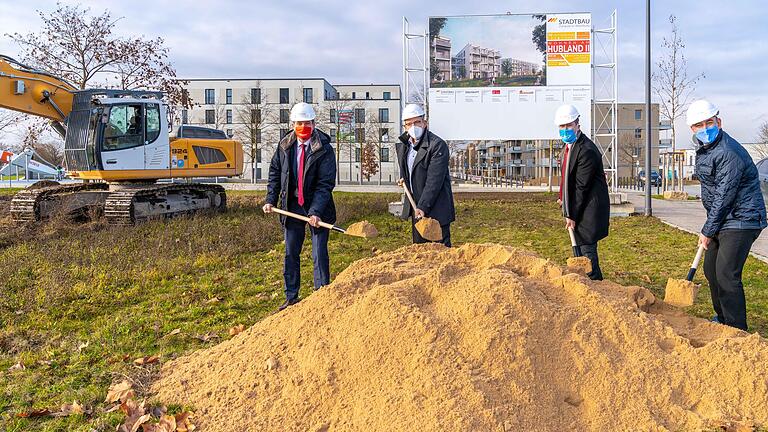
34	92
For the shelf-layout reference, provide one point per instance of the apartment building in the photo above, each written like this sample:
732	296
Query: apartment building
517	67
256	113
440	48
475	62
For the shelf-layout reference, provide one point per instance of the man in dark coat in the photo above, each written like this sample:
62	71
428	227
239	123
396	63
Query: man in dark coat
730	192
424	164
302	176
583	188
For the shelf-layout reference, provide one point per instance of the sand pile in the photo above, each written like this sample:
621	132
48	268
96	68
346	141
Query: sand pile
581	265
481	338
675	195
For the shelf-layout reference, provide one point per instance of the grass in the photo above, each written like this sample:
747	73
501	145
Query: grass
80	302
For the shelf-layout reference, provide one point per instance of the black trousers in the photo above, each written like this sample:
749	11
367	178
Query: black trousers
723	264
418	239
590	251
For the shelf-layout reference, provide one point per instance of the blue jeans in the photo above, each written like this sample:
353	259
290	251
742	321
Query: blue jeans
295	232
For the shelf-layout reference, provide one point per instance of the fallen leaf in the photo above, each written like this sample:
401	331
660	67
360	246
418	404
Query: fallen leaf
17	366
159	411
207	336
213	300
645	278
184	422
136	416
120	392
173	332
146	360
34	413
72	409
234	331
83	346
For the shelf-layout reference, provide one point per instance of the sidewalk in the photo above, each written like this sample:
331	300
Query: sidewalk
690	216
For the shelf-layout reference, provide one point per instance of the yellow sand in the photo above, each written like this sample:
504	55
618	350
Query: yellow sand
476	338
429	229
675	195
680	292
580	265
362	229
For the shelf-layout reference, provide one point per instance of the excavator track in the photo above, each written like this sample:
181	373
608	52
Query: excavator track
122	206
25	205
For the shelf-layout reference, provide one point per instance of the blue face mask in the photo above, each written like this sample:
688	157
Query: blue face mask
707	135
568	135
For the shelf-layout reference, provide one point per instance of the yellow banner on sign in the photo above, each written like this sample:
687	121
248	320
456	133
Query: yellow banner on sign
556	60
582	35
561	35
577	58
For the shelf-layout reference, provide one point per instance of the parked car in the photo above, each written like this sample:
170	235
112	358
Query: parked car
762	169
655	178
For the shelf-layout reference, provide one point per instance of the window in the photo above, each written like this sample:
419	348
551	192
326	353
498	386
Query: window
385	154
367	95
638	133
308	95
256	96
258	155
638	114
333	135
184	117
125	128
256	136
333	116
359	115
359	135
357	154
384	134
284	115
284	98
229	96
210	116
153	122
384	115
353	95
256	116
283	133
210	96
229	116
387	95
229	133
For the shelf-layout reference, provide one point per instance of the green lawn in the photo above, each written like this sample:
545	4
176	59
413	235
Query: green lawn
79	303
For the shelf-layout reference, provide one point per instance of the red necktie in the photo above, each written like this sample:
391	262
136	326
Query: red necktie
301	175
562	174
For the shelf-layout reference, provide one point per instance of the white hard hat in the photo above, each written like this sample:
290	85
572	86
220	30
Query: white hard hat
699	111
302	112
413	110
566	114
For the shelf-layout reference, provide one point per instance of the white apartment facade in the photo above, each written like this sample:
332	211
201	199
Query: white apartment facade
475	62
363	119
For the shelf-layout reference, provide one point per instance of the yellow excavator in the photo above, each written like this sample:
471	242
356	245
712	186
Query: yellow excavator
118	143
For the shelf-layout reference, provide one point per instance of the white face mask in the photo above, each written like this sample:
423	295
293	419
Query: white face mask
415	131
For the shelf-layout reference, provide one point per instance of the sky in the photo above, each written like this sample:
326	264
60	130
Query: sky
360	42
512	35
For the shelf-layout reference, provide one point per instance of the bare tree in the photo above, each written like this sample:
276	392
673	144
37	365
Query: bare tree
331	118
254	116
629	150
8	119
761	143
379	133
671	82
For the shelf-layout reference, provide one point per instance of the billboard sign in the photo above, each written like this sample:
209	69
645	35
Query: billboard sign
501	77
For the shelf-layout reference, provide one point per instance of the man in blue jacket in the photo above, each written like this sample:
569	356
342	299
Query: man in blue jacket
302	176
730	192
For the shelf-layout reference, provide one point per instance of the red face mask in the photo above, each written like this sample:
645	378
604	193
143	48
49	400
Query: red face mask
303	131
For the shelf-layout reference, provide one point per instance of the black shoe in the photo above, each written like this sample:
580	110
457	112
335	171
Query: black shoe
288	303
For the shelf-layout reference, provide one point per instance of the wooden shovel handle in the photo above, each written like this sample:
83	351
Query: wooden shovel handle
576	249
306	219
695	264
410	198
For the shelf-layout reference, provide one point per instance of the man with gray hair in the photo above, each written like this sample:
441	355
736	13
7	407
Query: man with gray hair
730	192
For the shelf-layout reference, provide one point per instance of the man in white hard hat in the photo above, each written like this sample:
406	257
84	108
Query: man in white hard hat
730	192
302	176
583	188
424	159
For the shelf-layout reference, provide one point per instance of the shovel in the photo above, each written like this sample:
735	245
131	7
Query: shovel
682	292
428	228
359	229
576	249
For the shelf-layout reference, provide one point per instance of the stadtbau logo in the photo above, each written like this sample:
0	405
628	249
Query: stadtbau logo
574	21
554	19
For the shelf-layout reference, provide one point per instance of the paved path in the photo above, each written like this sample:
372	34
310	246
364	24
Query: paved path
690	216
